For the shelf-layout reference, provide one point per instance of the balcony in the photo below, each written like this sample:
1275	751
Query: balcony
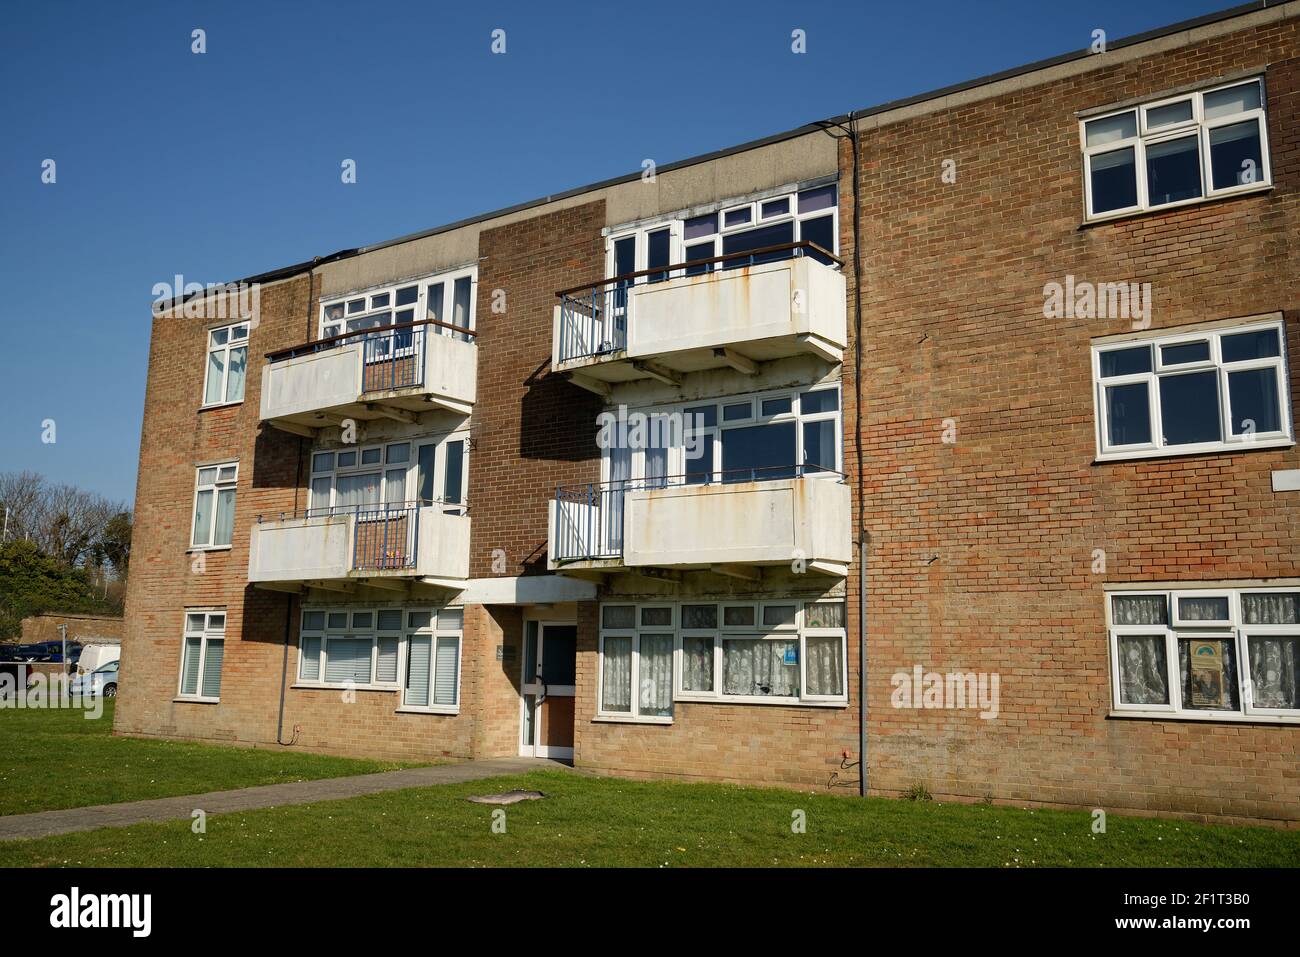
385	546
733	527
730	311
396	372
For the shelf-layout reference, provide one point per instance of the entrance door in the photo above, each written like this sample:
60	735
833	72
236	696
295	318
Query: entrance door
548	686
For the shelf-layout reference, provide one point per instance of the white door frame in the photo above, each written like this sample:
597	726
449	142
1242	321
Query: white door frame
528	686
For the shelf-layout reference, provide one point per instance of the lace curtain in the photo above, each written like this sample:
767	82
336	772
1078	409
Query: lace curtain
823	669
697	664
1143	672
656	675
756	666
616	675
1275	671
1139	610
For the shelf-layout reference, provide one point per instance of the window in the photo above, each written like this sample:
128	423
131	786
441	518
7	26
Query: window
203	648
432	677
1220	389
1179	150
1231	654
386	649
752	652
446	299
810	214
227	363
390	475
214	506
775	435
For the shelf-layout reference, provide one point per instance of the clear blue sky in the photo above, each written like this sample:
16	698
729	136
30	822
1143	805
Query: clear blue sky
222	165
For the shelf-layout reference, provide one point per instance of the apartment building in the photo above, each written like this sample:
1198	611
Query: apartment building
595	477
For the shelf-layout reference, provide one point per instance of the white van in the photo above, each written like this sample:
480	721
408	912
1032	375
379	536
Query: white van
96	656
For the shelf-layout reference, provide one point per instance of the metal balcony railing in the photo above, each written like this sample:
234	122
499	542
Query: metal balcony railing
589	518
594	318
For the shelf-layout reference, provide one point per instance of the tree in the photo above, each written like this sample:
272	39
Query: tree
32	582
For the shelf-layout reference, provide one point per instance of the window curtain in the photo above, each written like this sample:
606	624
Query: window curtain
190	666
1209	608
1275	670
216	367
348	659
824	665
1276	609
697	664
1143	672
656	675
225	517
354	490
203	517
310	668
235	381
212	668
448	661
616	675
756	666
620	470
417	671
1140	610
386	664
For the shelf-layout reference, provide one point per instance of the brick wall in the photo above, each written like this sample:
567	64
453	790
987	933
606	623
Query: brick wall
982	550
532	429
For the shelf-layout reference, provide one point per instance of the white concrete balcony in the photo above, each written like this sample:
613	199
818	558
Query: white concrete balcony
745	310
396	372
734	528
389	546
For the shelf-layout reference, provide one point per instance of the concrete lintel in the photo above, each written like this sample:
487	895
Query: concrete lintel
749	573
527	590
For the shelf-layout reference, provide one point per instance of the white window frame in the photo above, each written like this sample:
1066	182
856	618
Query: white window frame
678	465
208	631
1197	126
230	345
1230	442
216	487
796	630
373	632
371	307
434	631
676	222
1173	633
411	481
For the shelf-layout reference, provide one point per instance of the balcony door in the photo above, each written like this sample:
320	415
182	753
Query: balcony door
548	689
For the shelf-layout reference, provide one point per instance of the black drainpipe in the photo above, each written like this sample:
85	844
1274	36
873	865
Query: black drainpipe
851	133
288	598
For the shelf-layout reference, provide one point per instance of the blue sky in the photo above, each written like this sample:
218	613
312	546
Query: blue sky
225	164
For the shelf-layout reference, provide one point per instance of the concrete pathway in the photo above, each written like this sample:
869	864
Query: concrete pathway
45	823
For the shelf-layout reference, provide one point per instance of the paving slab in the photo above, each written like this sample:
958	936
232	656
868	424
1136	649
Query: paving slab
16	827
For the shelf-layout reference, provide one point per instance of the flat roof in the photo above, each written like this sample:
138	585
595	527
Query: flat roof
814	127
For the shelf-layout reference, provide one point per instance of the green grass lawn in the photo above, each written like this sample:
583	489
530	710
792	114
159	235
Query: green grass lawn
595	822
57	758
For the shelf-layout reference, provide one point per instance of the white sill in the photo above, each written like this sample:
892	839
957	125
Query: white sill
321	686
443	710
220	405
753	699
187	699
1228	717
618	718
1204	449
1195	201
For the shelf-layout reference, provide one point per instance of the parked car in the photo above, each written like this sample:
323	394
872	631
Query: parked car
101	681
